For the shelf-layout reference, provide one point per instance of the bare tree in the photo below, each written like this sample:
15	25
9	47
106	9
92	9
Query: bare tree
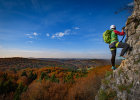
128	7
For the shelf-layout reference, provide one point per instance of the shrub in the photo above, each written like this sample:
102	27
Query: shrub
108	73
77	75
32	76
104	81
112	94
5	76
42	75
18	92
54	79
47	77
84	71
107	95
102	95
69	78
136	62
120	71
49	71
7	86
136	71
45	90
123	87
24	73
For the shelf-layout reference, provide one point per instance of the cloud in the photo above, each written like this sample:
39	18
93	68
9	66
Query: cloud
29	42
35	34
67	31
61	34
32	35
47	34
76	28
130	4
58	35
28	35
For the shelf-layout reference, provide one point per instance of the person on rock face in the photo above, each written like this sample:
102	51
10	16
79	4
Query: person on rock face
116	44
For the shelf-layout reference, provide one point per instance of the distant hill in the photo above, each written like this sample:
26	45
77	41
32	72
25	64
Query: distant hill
82	62
21	63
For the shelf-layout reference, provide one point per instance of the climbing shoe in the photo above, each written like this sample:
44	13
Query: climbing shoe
113	67
121	57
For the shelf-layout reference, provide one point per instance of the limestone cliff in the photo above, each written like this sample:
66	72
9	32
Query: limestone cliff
124	83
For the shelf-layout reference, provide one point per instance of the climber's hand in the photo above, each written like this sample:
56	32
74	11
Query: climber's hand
123	28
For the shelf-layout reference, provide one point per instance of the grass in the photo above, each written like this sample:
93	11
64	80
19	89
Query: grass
123	87
137	72
108	73
136	62
102	95
105	81
107	95
120	71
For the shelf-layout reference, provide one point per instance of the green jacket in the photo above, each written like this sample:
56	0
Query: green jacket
114	37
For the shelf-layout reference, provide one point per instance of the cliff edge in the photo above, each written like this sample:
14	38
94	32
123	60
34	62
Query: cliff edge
124	82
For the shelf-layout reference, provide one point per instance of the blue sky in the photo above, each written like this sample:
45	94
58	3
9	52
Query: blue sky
58	28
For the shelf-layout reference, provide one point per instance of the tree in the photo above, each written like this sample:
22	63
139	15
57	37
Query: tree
18	92
128	7
54	79
4	76
32	76
7	86
69	78
42	75
24	73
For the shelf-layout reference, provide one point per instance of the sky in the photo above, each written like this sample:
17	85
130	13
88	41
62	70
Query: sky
58	28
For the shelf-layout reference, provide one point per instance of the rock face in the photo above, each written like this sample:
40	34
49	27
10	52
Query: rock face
124	83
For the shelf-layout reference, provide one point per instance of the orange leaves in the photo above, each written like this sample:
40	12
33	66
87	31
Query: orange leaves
23	80
45	91
55	83
84	88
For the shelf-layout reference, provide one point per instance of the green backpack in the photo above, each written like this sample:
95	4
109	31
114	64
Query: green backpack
107	36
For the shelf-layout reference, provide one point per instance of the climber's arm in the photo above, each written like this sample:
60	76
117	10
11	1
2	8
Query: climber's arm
119	33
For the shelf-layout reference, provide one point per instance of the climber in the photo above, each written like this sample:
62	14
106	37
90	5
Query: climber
114	43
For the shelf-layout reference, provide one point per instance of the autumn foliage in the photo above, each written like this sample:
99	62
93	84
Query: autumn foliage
51	83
